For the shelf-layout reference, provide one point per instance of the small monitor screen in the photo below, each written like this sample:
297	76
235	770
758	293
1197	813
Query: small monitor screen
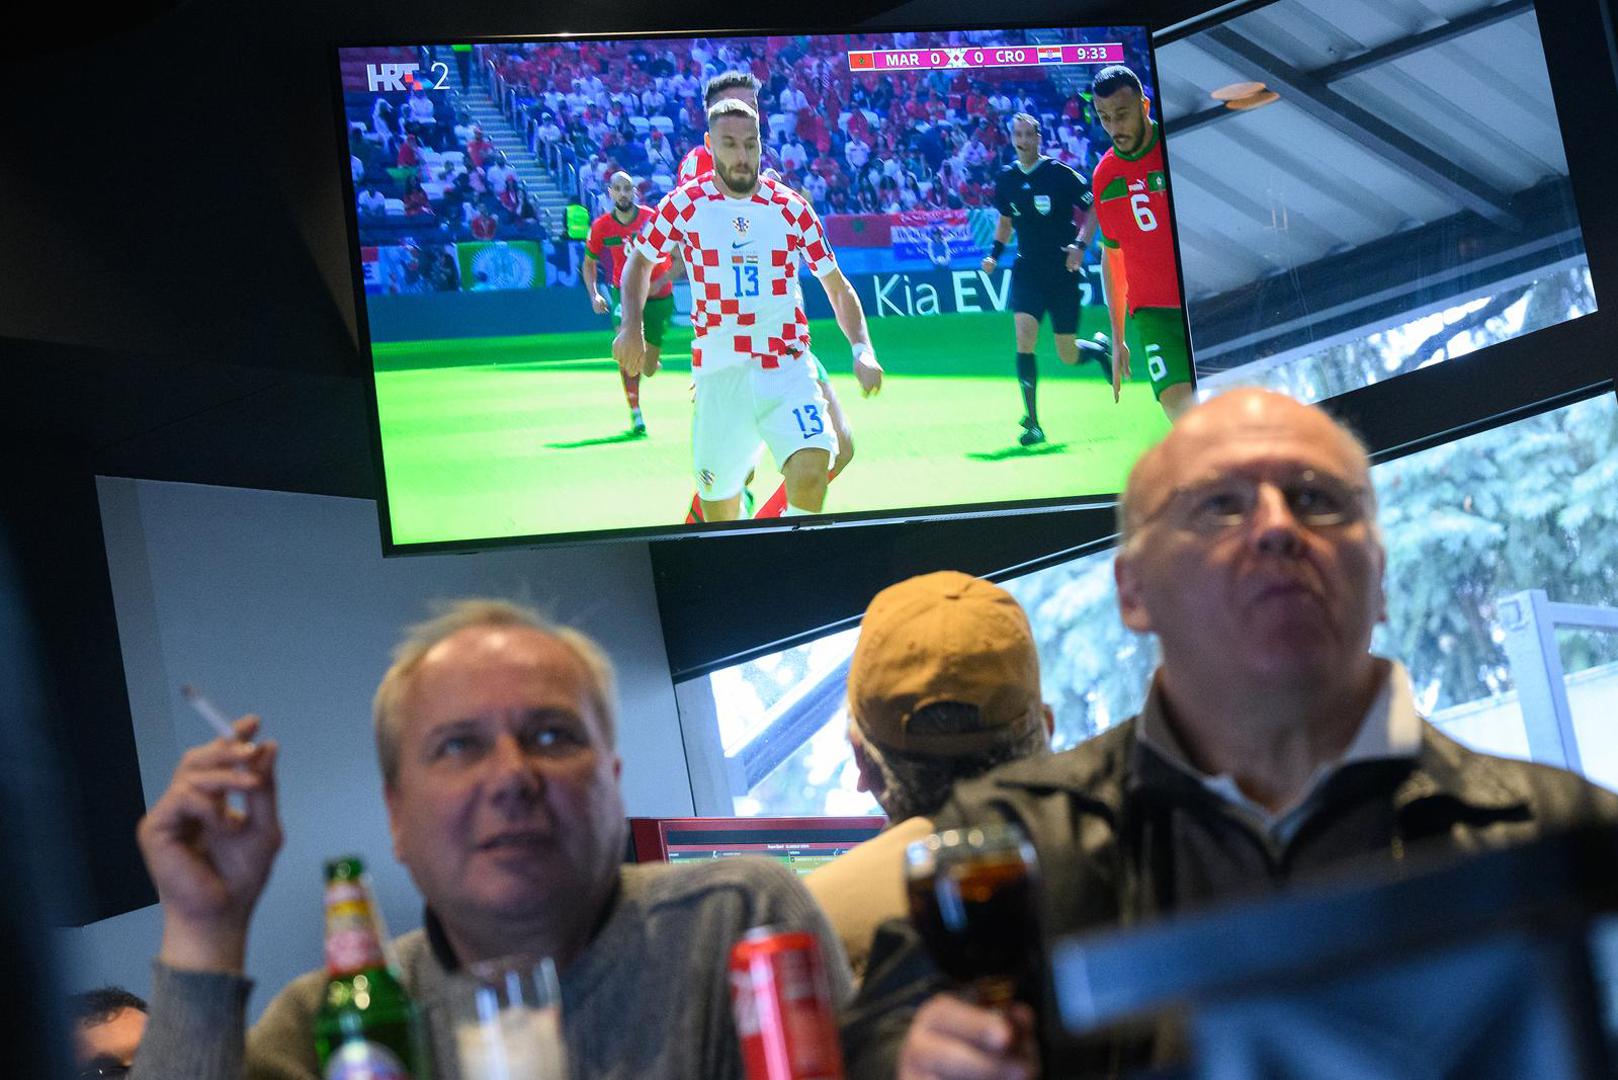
660	286
801	843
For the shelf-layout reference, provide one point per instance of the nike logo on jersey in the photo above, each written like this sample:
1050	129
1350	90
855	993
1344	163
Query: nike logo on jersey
739	244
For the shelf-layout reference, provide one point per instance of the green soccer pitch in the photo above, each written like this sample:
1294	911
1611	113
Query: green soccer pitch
512	437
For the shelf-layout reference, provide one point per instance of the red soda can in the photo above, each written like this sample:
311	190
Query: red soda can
782	1002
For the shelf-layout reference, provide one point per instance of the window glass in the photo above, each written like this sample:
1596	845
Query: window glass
1525	506
1318	373
747	696
1590	660
1378	207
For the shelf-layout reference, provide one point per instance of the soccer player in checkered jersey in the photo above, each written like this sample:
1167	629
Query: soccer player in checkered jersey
698	164
741	237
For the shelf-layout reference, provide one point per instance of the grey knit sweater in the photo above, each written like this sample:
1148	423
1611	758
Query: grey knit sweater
648	998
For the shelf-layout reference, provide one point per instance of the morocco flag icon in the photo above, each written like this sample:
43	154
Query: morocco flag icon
861	61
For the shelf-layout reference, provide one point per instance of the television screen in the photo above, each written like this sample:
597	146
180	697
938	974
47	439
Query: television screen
802	843
892	283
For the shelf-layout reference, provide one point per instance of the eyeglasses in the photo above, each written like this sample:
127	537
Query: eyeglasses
1315	500
97	1072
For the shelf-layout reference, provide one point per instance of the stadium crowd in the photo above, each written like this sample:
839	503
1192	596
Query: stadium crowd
862	142
424	168
854	142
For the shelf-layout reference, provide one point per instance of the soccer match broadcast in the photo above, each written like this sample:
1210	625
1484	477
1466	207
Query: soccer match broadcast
652	286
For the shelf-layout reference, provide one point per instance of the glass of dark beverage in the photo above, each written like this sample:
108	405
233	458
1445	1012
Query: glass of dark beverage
973	895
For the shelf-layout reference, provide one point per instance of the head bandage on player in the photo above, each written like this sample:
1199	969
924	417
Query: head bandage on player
731	107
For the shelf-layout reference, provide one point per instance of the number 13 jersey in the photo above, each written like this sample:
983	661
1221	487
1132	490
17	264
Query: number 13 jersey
742	257
1132	215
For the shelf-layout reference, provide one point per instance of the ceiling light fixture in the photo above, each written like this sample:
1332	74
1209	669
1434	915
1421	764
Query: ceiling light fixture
1245	95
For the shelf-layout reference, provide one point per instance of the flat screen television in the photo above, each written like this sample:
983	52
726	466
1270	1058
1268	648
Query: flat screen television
482	206
802	843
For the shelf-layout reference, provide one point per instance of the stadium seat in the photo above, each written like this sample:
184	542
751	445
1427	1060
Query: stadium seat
393	207
663	124
457	156
778	125
640	124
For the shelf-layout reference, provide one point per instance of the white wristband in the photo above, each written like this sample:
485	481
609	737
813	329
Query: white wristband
862	351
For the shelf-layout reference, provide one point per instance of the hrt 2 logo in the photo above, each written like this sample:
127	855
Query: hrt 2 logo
385	77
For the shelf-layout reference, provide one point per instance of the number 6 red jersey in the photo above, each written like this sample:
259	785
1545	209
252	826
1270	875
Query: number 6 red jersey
1132	215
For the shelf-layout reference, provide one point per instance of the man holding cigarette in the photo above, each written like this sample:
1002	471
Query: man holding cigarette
495	735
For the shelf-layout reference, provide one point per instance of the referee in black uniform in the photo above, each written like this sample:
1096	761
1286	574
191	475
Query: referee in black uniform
1042	199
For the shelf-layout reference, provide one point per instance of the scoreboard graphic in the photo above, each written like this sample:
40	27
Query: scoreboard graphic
985	56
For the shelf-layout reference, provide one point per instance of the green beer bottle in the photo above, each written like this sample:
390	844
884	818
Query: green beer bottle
368	1027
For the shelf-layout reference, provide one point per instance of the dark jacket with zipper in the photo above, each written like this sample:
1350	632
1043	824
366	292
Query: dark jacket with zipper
1122	836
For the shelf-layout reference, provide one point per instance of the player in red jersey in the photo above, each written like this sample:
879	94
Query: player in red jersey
609	234
1138	265
698	164
741	237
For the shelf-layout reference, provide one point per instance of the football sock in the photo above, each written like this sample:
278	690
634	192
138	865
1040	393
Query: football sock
1028	380
694	514
631	390
775	505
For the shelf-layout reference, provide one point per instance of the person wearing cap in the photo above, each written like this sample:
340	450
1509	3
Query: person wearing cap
943	686
1273	747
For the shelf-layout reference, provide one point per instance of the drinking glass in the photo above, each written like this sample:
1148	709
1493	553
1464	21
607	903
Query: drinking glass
505	1020
973	899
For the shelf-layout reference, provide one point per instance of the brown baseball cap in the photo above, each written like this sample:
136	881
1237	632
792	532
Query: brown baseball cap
945	637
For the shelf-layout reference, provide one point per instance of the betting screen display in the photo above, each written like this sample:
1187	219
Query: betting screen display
801	844
899	282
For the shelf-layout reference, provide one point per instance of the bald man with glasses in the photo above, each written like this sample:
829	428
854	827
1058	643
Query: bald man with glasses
1273	744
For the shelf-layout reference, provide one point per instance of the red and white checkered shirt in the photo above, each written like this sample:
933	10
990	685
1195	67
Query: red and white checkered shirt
742	257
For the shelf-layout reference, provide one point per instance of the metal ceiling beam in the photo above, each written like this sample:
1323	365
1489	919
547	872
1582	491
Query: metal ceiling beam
1302	90
1382	54
1438	35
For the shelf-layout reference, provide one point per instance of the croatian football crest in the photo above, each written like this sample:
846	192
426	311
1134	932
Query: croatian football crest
1042	203
740	224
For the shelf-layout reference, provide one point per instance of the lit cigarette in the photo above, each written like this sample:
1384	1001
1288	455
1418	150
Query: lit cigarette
206	709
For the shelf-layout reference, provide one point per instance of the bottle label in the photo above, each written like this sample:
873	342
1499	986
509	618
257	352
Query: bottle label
360	1059
352	941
